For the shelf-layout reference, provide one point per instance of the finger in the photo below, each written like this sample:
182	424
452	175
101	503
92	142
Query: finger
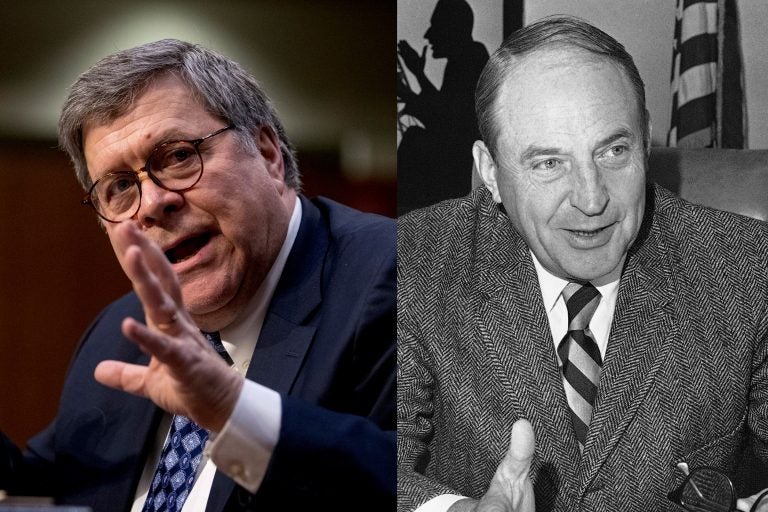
159	306
424	53
510	487
154	258
169	350
122	376
522	446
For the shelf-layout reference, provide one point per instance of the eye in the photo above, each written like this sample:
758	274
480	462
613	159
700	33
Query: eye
550	164
117	185
179	155
176	156
617	150
618	154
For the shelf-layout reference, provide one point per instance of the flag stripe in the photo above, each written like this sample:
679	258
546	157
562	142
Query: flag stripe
688	3
698	18
698	50
697	82
697	115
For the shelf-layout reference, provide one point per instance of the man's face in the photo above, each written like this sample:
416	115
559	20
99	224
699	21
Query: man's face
570	166
222	236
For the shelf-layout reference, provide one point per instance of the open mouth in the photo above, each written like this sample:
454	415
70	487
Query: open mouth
187	248
586	233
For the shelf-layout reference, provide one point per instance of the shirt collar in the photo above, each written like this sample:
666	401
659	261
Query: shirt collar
552	285
240	337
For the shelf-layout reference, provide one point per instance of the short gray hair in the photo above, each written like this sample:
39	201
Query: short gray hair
108	90
553	31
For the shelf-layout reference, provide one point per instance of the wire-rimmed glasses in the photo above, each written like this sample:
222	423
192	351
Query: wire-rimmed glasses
175	165
710	490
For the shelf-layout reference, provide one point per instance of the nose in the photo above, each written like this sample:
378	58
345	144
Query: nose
589	193
428	33
156	202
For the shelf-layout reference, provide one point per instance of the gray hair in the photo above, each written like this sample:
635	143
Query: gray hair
108	90
554	31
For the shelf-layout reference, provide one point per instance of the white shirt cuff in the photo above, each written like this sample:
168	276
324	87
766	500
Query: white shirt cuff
439	503
244	446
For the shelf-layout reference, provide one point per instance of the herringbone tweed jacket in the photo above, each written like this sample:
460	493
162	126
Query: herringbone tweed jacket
685	376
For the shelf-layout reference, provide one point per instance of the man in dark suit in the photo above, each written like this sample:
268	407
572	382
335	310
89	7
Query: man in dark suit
261	321
570	337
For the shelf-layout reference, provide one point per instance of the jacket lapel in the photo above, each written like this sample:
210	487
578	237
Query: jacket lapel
638	343
286	334
518	342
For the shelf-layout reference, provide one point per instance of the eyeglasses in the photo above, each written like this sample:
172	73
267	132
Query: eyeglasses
176	166
710	490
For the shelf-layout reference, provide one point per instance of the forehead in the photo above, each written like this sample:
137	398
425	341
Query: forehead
564	92
167	108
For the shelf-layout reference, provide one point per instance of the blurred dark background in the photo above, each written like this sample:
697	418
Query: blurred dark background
327	66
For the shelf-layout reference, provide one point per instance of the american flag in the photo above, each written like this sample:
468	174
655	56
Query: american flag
707	90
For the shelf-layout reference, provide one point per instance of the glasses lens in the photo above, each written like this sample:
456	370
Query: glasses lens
708	491
116	196
177	165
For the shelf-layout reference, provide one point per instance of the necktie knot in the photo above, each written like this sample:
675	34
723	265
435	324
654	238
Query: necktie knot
215	340
581	300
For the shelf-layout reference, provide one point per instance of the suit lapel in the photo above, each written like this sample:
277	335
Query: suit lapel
638	344
518	342
286	334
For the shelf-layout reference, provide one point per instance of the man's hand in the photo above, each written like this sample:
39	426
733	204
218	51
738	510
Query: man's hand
411	59
185	375
511	489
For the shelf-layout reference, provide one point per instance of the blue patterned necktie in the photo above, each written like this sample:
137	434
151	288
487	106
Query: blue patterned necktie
181	456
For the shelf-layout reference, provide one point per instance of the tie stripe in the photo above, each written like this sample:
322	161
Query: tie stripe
580	356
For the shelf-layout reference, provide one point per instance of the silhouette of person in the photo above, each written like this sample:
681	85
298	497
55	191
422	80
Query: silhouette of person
434	162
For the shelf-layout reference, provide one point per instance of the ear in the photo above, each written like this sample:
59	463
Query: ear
269	147
486	168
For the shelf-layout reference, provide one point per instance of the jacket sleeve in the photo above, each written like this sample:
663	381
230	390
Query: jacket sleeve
415	391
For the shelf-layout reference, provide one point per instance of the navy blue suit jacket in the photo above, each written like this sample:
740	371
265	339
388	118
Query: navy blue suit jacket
327	345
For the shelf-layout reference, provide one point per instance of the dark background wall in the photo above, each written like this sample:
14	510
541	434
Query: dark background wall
327	66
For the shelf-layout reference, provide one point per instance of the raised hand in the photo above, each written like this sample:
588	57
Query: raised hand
510	489
185	375
411	59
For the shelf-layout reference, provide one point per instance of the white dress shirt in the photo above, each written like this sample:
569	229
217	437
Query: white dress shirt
244	446
551	292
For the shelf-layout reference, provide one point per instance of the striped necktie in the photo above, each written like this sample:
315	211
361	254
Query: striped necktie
580	356
183	450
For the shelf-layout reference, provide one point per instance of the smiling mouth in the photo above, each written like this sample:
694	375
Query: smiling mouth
187	248
588	233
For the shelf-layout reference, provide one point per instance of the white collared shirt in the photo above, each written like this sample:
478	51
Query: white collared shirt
600	324
244	446
551	292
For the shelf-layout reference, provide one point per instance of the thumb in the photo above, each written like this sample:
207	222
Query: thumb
510	485
522	445
424	52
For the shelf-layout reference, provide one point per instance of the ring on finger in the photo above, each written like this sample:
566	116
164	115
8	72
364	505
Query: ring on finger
167	325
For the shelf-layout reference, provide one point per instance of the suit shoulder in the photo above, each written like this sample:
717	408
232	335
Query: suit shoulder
707	228
354	226
434	229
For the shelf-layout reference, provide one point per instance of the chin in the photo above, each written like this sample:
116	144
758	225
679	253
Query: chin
210	311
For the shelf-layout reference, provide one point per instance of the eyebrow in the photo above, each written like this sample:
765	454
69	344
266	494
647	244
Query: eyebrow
533	151
622	133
